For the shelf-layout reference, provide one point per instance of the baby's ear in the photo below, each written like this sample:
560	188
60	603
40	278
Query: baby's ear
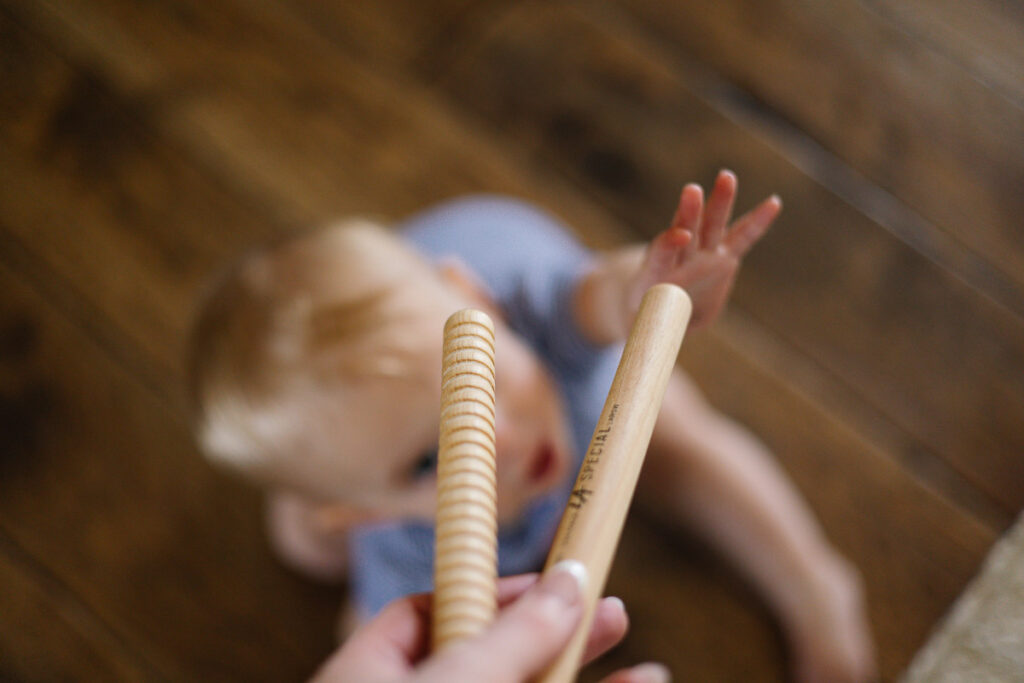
334	517
464	279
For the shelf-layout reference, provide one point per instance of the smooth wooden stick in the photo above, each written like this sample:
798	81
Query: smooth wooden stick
465	548
592	523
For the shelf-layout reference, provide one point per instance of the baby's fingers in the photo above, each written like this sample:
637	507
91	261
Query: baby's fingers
688	213
749	228
718	210
665	252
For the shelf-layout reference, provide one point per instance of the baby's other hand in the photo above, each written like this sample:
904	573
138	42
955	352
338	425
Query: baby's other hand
701	251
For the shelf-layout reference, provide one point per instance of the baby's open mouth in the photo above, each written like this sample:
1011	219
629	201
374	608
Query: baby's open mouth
543	463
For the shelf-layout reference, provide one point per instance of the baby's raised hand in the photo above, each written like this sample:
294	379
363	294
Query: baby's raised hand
701	251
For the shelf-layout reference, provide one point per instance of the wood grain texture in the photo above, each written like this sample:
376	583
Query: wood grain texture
119	234
398	36
916	123
984	37
115	193
46	634
101	485
302	130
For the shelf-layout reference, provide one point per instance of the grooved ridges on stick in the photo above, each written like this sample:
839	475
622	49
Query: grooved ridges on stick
465	557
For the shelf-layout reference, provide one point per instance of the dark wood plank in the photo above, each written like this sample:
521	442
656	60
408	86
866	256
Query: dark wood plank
106	212
909	119
909	338
118	231
399	36
125	51
101	486
47	635
986	37
301	129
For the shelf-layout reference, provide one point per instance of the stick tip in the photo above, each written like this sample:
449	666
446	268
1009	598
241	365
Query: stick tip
666	294
473	316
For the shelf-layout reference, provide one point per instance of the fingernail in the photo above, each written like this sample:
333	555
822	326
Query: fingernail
566	581
613	600
651	672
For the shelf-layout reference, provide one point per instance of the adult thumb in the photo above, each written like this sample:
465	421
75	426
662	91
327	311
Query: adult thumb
525	637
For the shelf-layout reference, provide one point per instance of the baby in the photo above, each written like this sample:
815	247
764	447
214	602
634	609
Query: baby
315	372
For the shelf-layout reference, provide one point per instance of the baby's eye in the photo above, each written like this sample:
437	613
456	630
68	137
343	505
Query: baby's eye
425	465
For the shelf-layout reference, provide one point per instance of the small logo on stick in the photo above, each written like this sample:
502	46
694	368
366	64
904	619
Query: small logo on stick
579	498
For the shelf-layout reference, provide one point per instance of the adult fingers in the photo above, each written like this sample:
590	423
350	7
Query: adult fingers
610	619
749	228
718	210
401	627
609	626
525	637
384	648
510	588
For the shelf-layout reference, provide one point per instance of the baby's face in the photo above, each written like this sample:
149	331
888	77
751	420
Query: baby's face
385	430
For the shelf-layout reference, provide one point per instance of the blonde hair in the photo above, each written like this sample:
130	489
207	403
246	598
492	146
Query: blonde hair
298	316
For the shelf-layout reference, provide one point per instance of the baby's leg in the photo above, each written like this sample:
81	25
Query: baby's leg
713	474
300	542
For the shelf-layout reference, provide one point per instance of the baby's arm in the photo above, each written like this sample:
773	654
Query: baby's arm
709	473
700	251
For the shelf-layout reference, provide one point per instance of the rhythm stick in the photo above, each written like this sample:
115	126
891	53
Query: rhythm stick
596	511
465	549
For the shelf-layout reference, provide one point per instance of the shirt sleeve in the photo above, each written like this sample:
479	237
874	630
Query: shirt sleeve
389	561
528	260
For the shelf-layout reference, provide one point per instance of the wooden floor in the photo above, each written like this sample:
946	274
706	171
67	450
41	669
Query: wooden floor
876	341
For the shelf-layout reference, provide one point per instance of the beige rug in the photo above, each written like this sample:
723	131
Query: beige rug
982	638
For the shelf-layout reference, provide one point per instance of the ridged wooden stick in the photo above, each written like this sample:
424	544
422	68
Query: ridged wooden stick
465	549
594	517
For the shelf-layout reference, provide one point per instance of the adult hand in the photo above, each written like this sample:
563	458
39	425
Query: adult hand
537	620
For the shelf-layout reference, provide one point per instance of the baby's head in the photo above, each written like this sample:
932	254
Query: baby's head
315	367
